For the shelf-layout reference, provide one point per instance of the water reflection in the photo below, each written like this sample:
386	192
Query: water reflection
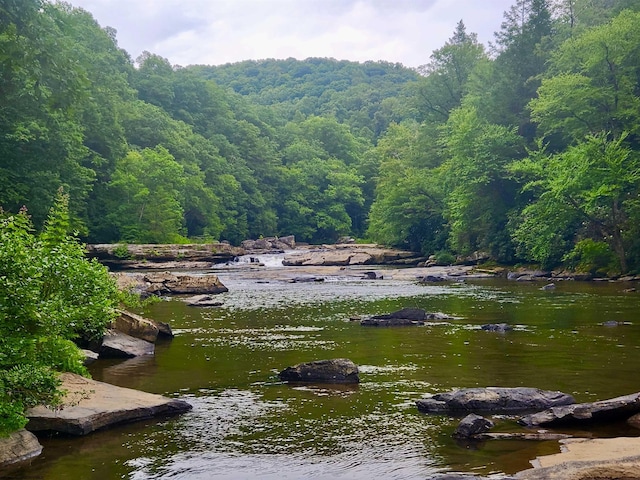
247	424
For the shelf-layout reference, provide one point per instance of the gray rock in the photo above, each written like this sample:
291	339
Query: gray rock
202	301
619	408
89	356
338	370
548	286
497	327
116	344
89	405
404	317
472	425
493	399
18	447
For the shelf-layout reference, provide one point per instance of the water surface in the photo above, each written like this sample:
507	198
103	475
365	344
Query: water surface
247	424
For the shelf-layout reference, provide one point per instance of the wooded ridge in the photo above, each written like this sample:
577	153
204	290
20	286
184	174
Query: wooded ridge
525	151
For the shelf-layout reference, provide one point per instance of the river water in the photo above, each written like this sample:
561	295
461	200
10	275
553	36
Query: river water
245	423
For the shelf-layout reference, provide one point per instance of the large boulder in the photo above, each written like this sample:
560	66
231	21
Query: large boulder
89	405
161	283
493	399
136	326
116	344
177	283
338	370
18	447
619	408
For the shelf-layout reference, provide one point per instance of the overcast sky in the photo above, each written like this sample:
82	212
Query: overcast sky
214	32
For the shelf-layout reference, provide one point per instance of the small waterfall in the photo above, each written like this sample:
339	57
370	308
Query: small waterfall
268	260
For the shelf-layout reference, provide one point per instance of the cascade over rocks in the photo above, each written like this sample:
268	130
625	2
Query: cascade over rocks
493	399
338	370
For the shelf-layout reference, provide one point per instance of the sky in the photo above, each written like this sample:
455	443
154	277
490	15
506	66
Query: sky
215	32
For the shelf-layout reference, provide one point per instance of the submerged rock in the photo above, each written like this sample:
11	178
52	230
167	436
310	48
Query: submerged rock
404	317
619	408
338	370
493	399
203	301
89	405
497	327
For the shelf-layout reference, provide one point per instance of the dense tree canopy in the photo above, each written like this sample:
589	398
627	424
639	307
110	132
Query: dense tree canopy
525	150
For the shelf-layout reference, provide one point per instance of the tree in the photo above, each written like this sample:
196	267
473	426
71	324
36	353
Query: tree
145	189
596	182
50	294
479	190
446	75
592	86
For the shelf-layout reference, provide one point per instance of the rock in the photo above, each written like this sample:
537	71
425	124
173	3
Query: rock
472	425
339	370
497	327
433	279
404	317
170	283
371	276
89	405
116	344
306	279
149	256
389	322
493	399
89	356
164	329
162	283
135	326
618	408
548	286
203	301
348	254
634	421
589	459
18	447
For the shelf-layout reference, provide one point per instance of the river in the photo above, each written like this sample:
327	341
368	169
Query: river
247	424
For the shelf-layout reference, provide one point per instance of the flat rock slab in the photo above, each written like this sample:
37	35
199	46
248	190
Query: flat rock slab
116	344
337	370
89	405
619	408
18	447
589	459
493	399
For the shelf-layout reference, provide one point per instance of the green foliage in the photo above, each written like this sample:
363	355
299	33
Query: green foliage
592	257
49	295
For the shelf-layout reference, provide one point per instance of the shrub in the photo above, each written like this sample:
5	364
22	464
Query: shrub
50	294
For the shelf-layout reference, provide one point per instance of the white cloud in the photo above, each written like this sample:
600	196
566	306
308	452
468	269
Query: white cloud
220	31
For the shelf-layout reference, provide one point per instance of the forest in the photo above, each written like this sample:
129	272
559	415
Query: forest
524	151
